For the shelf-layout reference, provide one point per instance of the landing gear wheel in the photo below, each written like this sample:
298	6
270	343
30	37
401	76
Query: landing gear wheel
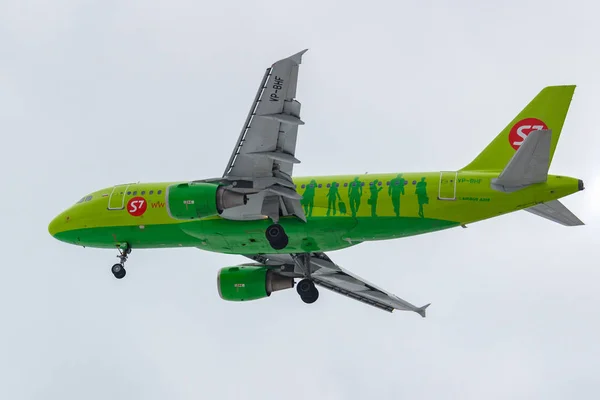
118	271
277	237
308	291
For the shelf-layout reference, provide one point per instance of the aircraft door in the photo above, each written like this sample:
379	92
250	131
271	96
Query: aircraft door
447	185
116	200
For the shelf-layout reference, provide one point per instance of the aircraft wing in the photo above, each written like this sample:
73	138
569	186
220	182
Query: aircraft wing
264	155
327	274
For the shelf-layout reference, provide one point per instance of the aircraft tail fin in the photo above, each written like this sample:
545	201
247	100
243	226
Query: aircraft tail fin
547	111
555	211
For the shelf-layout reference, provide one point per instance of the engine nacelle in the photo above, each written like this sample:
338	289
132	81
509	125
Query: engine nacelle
250	282
200	200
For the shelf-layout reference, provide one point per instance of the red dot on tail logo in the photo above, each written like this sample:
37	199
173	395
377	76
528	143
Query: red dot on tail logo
137	206
521	129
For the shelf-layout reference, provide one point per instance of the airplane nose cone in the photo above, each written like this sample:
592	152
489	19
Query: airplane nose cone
57	225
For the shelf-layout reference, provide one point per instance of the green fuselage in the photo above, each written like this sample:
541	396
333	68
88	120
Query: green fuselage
341	211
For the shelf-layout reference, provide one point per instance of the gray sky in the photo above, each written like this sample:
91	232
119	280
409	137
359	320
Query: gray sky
98	93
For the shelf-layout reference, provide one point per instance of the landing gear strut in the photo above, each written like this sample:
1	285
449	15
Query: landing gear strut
118	270
276	237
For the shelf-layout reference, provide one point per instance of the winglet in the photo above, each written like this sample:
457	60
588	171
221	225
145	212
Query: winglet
421	310
296	58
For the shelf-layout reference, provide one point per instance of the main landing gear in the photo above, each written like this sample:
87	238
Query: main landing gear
306	287
118	270
277	237
307	290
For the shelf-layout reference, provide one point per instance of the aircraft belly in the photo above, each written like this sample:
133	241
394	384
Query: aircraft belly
248	237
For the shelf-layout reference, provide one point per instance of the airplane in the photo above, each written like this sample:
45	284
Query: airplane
284	225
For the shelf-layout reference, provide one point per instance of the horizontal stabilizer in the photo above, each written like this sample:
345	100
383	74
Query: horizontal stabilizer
528	166
421	310
555	211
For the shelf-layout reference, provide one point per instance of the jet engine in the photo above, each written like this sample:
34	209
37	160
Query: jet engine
199	200
250	282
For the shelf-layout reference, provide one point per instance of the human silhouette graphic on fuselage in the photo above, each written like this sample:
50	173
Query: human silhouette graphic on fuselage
308	198
396	189
332	196
421	192
374	195
354	195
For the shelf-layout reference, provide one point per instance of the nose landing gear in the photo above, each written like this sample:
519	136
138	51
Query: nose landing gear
118	270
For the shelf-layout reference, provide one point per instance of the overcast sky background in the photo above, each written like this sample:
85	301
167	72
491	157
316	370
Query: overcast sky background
95	93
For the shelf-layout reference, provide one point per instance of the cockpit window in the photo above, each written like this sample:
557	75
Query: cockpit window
88	198
81	201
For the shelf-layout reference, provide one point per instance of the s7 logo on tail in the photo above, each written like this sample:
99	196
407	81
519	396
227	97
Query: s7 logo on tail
521	129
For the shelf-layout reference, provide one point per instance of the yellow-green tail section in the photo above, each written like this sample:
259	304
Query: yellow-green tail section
547	110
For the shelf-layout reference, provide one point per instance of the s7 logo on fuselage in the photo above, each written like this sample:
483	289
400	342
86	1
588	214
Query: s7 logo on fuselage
137	206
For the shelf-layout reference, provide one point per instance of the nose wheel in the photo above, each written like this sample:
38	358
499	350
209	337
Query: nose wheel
118	270
277	237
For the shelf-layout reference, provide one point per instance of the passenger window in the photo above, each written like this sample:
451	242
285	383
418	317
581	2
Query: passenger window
128	193
159	192
328	185
303	186
345	184
379	183
151	192
143	192
320	185
134	192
